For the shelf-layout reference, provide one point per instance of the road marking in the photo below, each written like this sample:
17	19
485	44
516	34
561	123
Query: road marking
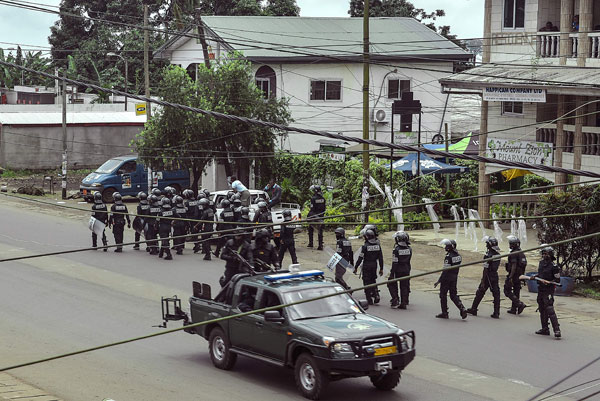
494	388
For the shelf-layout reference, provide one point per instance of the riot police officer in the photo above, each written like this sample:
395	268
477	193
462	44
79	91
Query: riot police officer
238	257
344	249
263	216
237	208
164	227
117	220
211	203
143	209
99	212
489	279
287	242
179	226
191	205
207	226
152	223
548	271
244	220
169	192
316	213
226	216
264	253
448	280
515	267
371	253
196	227
401	256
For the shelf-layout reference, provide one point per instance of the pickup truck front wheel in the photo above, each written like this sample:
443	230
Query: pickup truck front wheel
386	381
220	350
309	379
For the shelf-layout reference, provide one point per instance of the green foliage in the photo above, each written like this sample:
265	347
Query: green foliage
9	77
414	217
466	184
534	180
576	258
193	139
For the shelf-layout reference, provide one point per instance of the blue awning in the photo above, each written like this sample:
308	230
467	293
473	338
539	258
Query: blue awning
428	165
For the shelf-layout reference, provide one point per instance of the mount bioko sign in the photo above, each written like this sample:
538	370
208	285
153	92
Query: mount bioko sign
520	151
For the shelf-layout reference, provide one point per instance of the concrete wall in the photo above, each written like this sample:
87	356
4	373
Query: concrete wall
41	147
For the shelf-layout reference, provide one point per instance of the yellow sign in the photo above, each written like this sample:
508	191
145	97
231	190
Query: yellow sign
140	109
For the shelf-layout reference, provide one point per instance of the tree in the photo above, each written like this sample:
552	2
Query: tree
401	8
193	140
578	257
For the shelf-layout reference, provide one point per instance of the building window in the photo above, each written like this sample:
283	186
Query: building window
264	84
512	108
396	87
514	14
325	90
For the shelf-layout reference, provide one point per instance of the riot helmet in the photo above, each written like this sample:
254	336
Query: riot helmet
547	250
262	236
156	192
262	205
237	203
287	215
447	244
370	236
203	202
188	194
206	192
491	243
339	233
117	197
230	194
142	196
201	195
453	242
165	203
401	238
513	242
245	212
97	197
178	200
372	227
225	204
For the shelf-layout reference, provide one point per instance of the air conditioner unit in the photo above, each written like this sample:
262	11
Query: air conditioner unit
380	116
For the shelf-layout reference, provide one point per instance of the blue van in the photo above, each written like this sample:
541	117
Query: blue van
128	176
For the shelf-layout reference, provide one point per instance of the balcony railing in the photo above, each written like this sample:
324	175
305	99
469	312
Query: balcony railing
590	144
548	44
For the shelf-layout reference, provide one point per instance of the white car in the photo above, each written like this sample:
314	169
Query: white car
276	212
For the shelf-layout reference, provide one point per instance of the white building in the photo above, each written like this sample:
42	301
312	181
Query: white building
317	64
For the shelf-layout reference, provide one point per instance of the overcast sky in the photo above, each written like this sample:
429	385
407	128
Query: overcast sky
19	26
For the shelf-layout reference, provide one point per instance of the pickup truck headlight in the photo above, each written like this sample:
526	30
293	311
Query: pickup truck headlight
342	350
96	184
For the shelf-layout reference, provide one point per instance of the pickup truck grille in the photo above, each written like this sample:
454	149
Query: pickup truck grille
370	344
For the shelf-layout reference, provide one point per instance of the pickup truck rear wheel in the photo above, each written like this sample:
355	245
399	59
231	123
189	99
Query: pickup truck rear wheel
107	195
386	381
220	350
310	380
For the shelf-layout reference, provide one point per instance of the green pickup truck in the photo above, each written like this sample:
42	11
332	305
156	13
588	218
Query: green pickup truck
323	340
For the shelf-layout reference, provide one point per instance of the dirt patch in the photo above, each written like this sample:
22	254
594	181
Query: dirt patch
38	180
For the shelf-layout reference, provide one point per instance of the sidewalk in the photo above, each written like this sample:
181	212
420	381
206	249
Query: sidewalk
14	389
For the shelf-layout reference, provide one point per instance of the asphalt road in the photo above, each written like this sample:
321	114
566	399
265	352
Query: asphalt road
58	304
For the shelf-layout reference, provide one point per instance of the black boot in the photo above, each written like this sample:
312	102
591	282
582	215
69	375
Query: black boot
521	307
442	315
105	244
543	331
463	313
179	251
512	311
169	256
376	298
472	311
394	302
402	306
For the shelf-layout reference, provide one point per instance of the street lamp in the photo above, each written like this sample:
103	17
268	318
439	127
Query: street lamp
111	54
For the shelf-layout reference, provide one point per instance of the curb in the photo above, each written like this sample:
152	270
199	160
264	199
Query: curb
12	389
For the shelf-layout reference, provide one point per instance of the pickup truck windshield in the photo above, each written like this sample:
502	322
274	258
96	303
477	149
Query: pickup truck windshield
338	305
109	166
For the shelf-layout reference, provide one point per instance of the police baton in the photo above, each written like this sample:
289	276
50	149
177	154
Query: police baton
541	280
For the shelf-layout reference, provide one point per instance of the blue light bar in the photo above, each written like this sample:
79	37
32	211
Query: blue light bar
287	276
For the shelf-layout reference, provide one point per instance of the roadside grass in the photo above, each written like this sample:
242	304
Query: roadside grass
588	290
9	173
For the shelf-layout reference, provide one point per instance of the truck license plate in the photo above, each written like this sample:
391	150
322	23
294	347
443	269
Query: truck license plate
386	350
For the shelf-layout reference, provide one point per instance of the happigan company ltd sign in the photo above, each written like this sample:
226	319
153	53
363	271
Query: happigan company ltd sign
520	151
511	94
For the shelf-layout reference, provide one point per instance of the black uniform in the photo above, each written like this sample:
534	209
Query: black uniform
515	267
179	229
267	253
207	227
192	213
275	195
287	243
488	280
99	212
400	268
317	209
547	270
344	248
152	228
164	231
139	223
233	264
117	220
228	216
371	253
448	280
237	213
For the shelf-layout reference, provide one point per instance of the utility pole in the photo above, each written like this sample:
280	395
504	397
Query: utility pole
64	138
366	102
146	64
483	203
202	38
447	160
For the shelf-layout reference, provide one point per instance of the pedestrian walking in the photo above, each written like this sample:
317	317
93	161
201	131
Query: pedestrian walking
264	253
226	216
179	226
165	224
152	223
207	227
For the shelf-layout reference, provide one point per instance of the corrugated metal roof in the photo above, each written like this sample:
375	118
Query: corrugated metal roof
30	118
544	77
269	37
